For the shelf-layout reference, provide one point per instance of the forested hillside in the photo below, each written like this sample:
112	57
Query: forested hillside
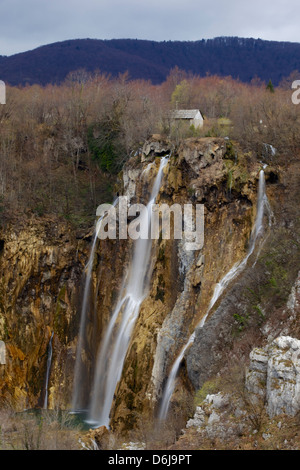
243	59
74	138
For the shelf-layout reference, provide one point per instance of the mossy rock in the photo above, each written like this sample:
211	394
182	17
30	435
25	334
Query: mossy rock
208	388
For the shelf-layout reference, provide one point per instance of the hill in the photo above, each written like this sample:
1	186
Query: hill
241	58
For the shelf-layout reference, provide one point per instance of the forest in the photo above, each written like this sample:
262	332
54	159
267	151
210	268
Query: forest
63	146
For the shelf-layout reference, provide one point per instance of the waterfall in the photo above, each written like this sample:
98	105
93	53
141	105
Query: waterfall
169	388
77	401
114	346
270	149
49	360
257	231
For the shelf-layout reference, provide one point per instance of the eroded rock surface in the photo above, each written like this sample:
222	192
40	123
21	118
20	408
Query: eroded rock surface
274	374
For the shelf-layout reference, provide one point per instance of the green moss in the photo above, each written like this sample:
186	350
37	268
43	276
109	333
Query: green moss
191	191
241	320
208	388
136	386
230	151
230	179
277	284
259	311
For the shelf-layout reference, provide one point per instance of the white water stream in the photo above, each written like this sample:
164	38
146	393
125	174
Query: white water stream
257	231
112	353
77	404
49	361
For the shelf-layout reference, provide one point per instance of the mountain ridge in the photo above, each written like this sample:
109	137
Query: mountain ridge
241	58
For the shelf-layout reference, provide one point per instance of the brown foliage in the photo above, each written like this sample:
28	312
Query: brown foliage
46	163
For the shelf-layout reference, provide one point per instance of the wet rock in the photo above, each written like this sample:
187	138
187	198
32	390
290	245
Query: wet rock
40	282
98	438
155	147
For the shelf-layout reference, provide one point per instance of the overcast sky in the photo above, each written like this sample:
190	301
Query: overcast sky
26	24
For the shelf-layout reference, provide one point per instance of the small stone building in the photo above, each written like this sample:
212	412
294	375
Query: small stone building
193	116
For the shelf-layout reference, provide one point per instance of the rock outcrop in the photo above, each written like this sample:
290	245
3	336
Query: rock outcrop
259	412
217	417
274	376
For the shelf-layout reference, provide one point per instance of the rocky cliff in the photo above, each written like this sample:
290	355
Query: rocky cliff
42	275
41	270
200	171
260	412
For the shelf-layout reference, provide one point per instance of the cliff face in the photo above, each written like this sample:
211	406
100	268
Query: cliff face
42	266
254	309
41	269
200	171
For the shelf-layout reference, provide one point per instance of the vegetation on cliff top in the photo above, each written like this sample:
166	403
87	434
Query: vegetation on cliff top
61	147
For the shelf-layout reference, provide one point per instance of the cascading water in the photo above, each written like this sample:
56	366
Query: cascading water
77	399
49	361
113	349
257	231
169	388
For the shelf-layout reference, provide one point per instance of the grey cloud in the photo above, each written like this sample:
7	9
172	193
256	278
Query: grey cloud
25	24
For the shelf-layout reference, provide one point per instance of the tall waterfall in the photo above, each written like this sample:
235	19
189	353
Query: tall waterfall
77	399
257	231
115	343
49	361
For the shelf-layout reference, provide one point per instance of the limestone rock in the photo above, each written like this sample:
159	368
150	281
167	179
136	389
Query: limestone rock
198	419
155	147
130	178
274	374
256	375
202	153
98	438
283	384
218	401
213	416
294	297
133	446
